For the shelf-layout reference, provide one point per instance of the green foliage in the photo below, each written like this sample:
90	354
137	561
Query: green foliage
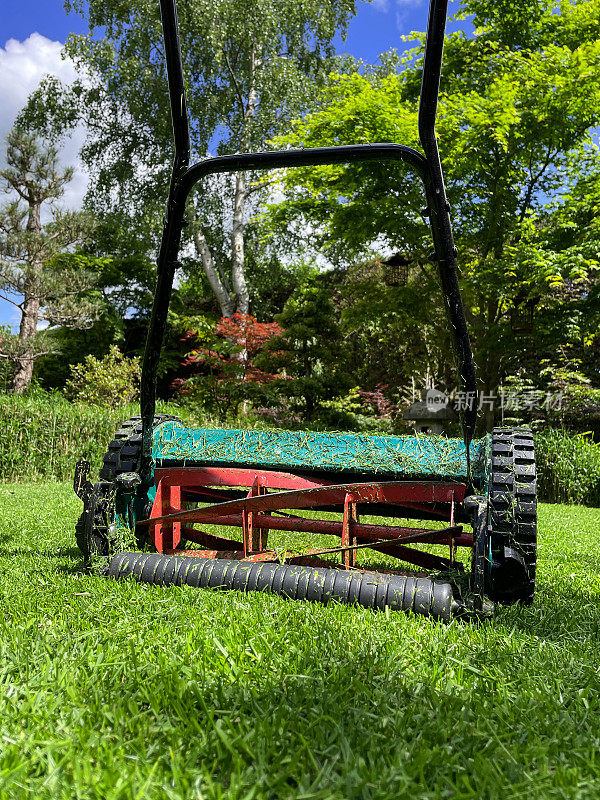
68	346
224	375
519	105
42	435
579	407
249	67
126	279
270	281
364	411
6	369
123	288
351	206
560	398
139	691
568	467
306	354
110	381
32	256
394	325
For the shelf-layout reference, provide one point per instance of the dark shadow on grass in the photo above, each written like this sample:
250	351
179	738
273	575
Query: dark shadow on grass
5	538
76	570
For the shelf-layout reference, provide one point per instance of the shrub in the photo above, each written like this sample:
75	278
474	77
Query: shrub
42	435
110	381
222	362
568	467
579	409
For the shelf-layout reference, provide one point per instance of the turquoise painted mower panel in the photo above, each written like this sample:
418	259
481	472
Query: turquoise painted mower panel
403	457
396	457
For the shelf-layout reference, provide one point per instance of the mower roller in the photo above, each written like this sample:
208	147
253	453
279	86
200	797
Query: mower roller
166	483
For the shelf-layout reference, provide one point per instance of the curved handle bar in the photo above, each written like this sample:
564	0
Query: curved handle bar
183	178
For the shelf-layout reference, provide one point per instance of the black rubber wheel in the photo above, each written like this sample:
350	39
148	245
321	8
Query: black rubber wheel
124	454
512	517
94	541
97	544
125	450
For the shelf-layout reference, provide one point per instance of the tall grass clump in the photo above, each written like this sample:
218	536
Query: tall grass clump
43	435
568	468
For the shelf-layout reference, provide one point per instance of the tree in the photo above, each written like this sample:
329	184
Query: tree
520	101
221	368
393	323
250	65
571	313
306	353
54	286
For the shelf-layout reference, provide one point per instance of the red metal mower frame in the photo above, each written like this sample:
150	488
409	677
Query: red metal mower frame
273	494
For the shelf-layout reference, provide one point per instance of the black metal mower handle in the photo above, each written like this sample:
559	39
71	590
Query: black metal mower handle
184	177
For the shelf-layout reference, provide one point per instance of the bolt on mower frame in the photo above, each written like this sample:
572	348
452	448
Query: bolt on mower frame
161	479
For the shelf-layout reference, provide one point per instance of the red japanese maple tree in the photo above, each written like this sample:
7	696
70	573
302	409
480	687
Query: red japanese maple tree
222	371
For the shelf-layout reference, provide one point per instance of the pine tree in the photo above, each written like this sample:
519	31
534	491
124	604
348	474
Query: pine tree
307	352
33	277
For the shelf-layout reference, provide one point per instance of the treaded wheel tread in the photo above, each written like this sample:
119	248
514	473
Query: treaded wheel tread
126	448
124	452
512	502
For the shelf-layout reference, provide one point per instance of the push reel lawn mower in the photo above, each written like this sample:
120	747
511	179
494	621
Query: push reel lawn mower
166	483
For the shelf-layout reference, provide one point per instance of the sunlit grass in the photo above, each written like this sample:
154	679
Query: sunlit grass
293	543
118	690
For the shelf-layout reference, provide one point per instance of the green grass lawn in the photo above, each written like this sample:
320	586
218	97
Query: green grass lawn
130	691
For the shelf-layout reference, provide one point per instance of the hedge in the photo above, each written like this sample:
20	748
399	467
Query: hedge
568	467
42	436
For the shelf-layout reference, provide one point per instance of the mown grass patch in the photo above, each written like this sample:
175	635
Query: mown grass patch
127	691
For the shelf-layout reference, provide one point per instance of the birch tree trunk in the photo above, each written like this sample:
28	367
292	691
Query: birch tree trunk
238	277
216	278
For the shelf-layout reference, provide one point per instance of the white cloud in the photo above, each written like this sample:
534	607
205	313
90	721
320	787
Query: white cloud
402	14
22	66
384	5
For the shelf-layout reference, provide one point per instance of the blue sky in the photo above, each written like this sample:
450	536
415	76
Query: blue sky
31	32
376	28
